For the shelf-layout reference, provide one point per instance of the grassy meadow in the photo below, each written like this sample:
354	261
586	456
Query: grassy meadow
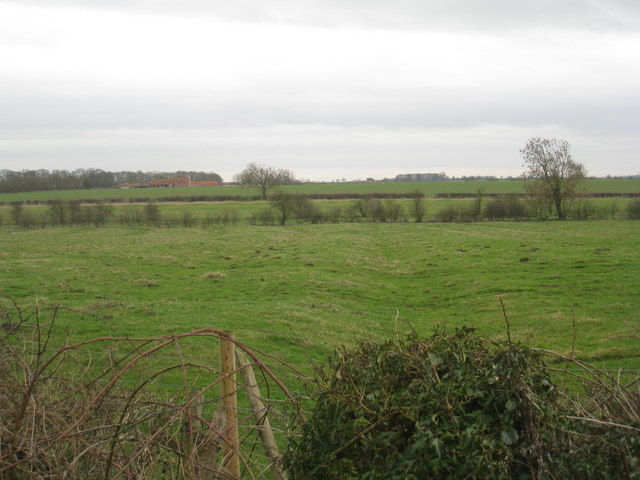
430	189
244	212
300	290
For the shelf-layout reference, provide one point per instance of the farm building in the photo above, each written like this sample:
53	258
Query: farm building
170	182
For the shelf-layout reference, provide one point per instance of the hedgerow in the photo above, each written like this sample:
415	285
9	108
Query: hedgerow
451	406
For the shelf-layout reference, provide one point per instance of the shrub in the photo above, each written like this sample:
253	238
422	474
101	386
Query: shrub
229	217
263	217
152	213
100	213
633	209
58	213
450	213
360	207
282	203
585	210
75	212
304	209
612	210
188	220
21	216
335	215
505	207
393	210
131	216
539	208
376	210
225	217
371	209
353	213
450	406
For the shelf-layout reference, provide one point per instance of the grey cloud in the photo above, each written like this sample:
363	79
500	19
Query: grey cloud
403	14
313	152
89	114
417	108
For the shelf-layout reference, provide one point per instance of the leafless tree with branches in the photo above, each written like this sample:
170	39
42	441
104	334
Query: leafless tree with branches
556	176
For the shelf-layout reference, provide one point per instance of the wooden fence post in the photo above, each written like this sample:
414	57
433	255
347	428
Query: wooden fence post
262	421
229	400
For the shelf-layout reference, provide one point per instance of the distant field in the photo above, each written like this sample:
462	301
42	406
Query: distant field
299	291
430	189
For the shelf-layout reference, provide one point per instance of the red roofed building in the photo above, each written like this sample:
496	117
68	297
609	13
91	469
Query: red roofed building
170	182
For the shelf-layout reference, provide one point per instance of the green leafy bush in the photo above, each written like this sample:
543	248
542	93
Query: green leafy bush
450	406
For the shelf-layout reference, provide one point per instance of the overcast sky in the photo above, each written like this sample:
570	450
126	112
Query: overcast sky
327	88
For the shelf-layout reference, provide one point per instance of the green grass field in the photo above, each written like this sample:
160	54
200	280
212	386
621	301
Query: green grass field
299	291
174	212
430	189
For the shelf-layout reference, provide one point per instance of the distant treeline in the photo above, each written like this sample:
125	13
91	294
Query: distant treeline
43	180
443	177
422	177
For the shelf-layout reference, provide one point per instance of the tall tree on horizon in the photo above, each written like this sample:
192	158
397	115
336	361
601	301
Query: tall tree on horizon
556	176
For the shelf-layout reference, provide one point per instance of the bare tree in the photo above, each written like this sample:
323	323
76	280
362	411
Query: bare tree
418	207
264	178
283	203
556	176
